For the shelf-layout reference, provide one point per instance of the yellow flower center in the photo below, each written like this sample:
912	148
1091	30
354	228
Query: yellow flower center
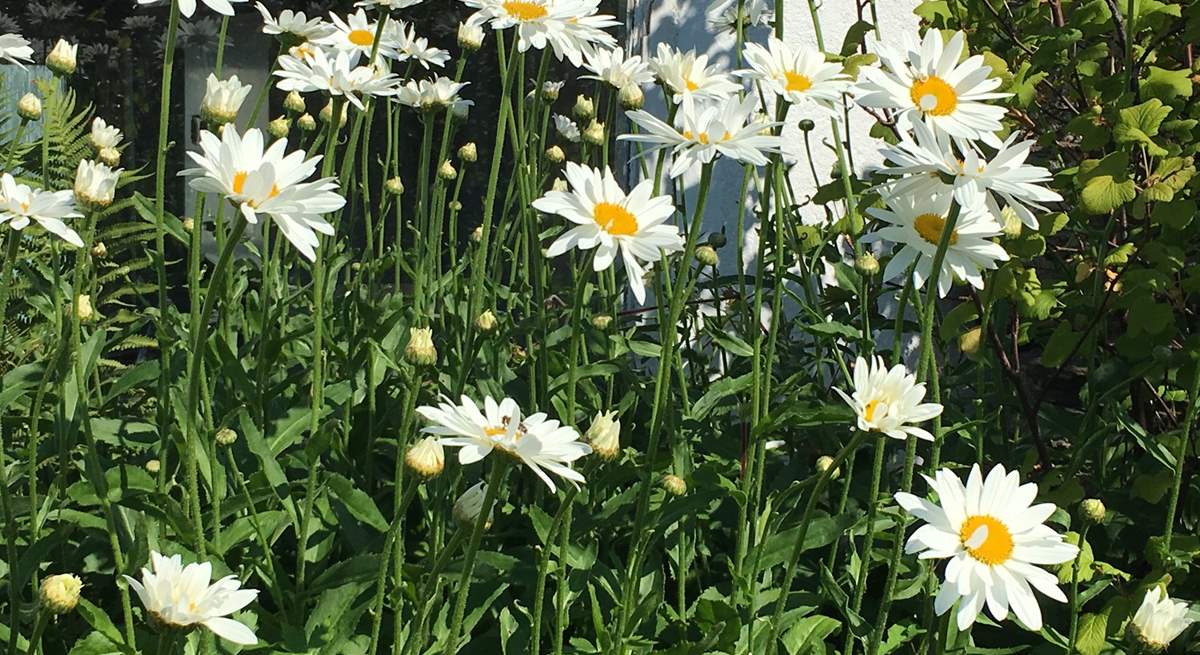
495	432
932	95
525	10
691	86
615	219
797	82
931	226
361	38
997	545
24	208
239	182
869	410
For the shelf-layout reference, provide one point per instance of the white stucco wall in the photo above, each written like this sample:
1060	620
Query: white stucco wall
681	23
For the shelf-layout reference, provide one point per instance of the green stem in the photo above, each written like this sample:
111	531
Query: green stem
12	246
38	628
499	469
1181	456
860	584
1074	599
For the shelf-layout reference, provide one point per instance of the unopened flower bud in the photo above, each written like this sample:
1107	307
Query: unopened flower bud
59	594
469	506
420	350
446	171
559	185
153	466
707	255
83	308
674	485
477	234
279	127
807	125
99	251
468	153
604	435
455	206
594	133
294	103
306	122
110	157
426	458
1012	223
29	107
517	354
584	108
631	97
486	322
62	58
555	155
824	463
866	264
226	437
470	36
327	113
188	224
1092	510
601	321
550	91
394	186
969	341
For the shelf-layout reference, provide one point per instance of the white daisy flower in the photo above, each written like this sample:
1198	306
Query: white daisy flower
799	75
104	135
388	4
567	128
181	597
568	27
995	540
618	70
536	441
1004	180
610	220
689	75
21	204
15	49
356	35
1159	620
438	93
188	7
410	46
584	35
267	182
95	184
223	99
294	23
722	16
316	71
889	401
731	129
931	84
917	223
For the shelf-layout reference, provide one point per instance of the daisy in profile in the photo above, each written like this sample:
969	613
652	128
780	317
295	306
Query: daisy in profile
542	444
270	182
799	75
356	35
689	75
611	221
889	401
1159	620
337	75
294	24
438	93
730	129
723	16
995	539
917	224
409	46
567	128
104	135
20	205
180	597
934	86
15	49
920	161
618	70
188	7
